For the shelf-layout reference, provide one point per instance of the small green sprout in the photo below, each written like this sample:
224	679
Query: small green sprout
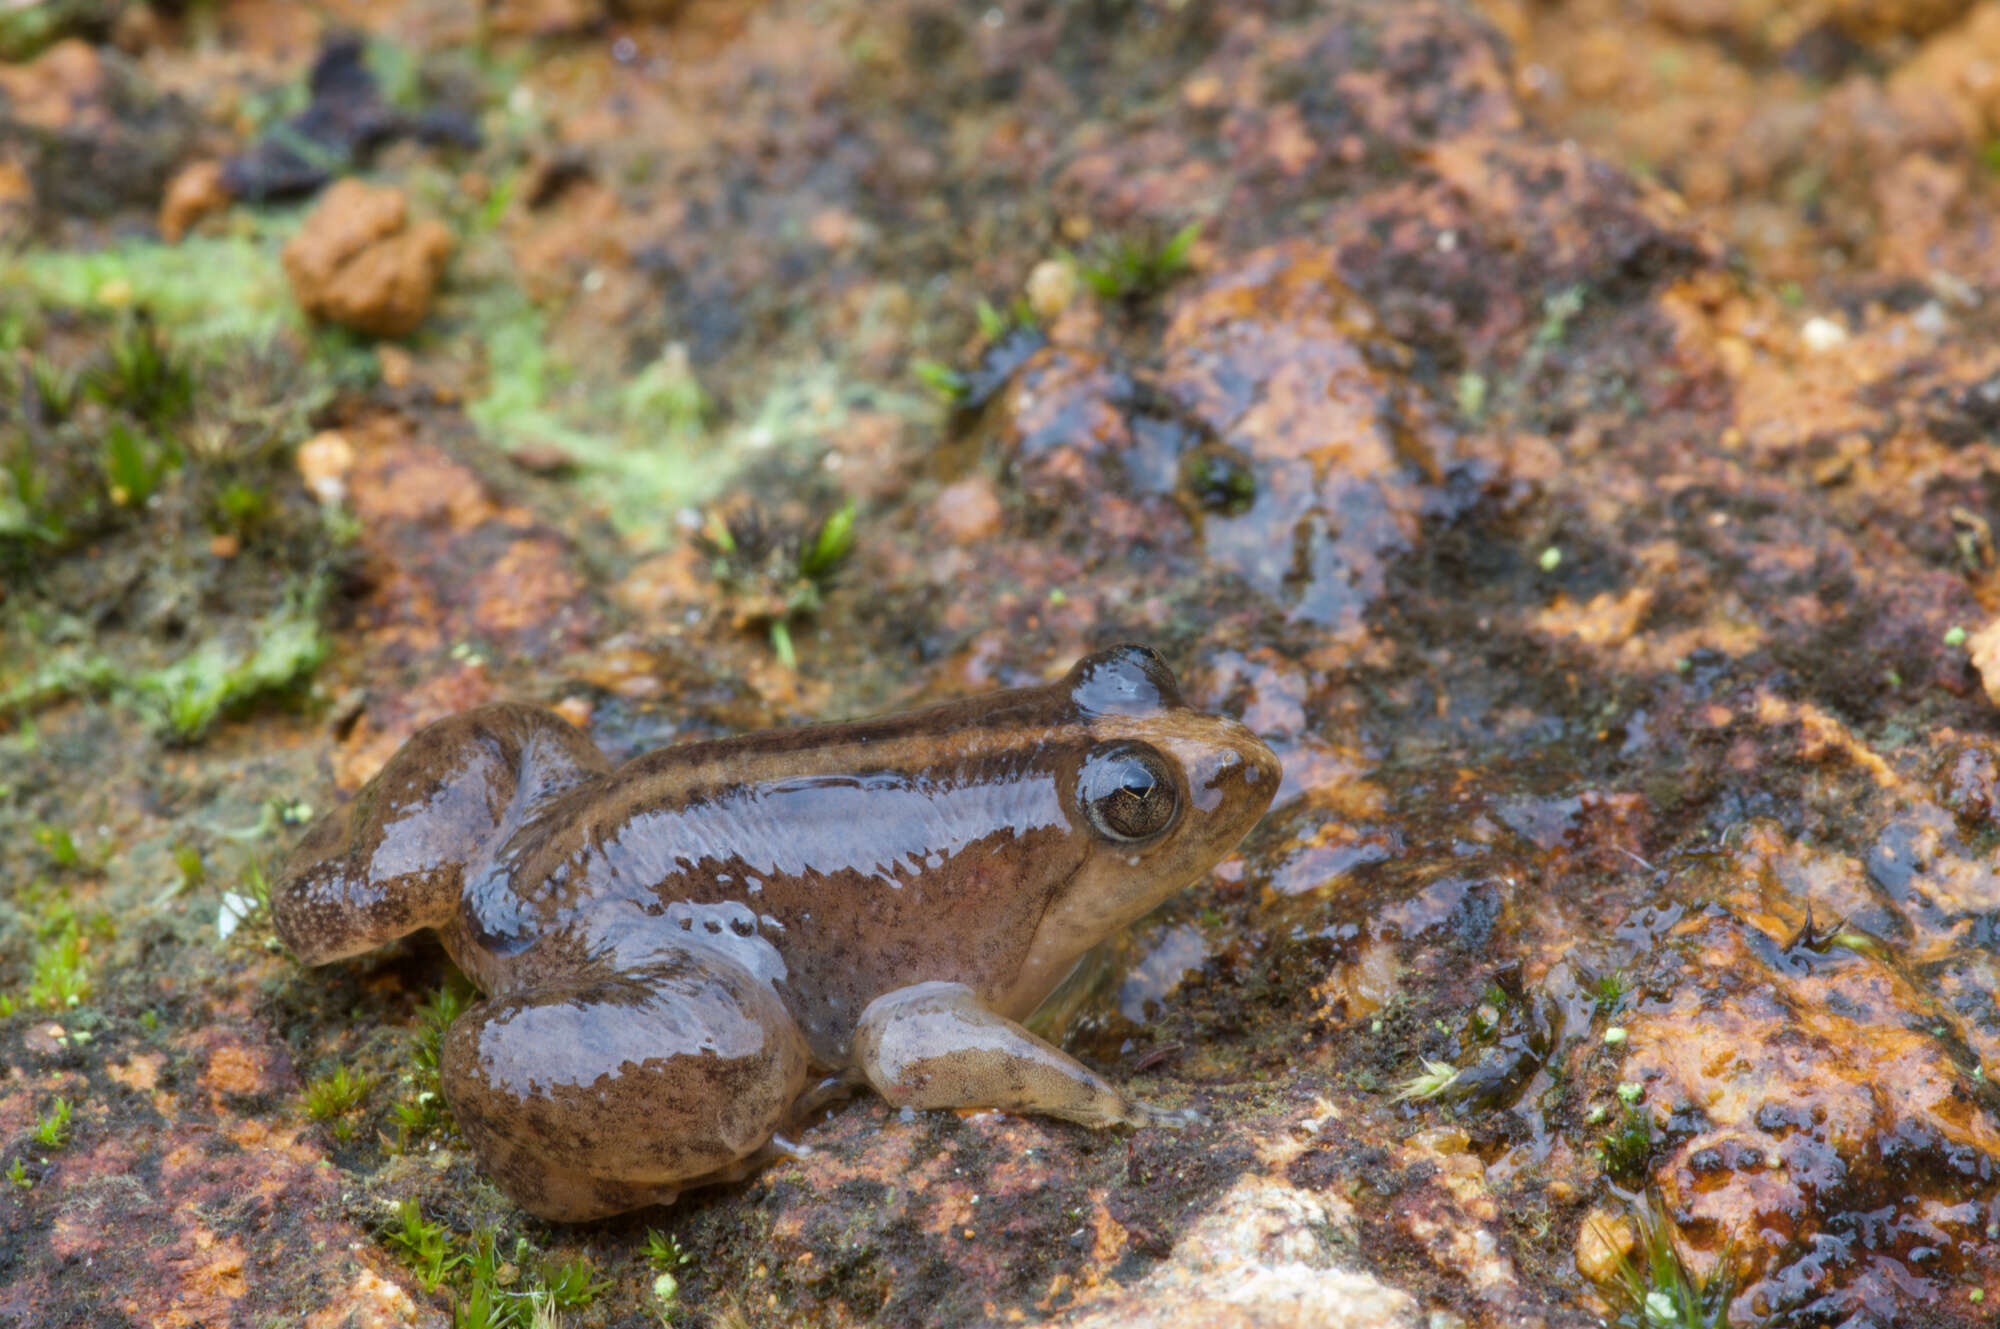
1558	311
61	974
52	388
58	844
992	323
17	1173
239	507
1625	1149
575	1284
663	1251
426	1245
256	883
193	871
995	324
1471	395
1435	1078
1658	1290
336	1095
425	1111
484	1308
142	375
1132	269
1608	993
1954	636
484	1263
947	383
52	1131
434	1016
134	464
830	545
773	581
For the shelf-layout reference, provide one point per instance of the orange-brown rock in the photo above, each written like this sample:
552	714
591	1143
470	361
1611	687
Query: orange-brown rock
195	191
358	261
61	89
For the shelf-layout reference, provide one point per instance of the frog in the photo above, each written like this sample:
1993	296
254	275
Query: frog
687	957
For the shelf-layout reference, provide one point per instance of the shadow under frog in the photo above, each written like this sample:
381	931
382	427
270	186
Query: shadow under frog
686	955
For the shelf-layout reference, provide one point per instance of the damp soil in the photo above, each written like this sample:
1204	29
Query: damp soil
1568	433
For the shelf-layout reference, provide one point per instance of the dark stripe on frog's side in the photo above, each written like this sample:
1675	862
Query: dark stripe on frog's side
851	900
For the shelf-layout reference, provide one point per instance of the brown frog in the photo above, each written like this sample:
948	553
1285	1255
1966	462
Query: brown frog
687	954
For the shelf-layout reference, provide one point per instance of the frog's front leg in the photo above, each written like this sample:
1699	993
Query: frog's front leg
933	1045
591	1097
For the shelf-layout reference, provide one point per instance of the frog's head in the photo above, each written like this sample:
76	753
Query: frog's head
1157	794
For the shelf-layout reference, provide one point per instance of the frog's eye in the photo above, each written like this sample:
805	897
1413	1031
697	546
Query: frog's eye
1127	793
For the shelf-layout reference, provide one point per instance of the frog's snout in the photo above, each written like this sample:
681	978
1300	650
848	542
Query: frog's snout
1233	776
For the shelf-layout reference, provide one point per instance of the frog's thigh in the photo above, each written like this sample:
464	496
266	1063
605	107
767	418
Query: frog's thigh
933	1045
589	1099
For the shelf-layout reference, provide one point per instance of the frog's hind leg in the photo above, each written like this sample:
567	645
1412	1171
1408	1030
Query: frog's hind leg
588	1099
391	860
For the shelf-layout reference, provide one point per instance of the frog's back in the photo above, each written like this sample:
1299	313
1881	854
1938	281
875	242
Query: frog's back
836	862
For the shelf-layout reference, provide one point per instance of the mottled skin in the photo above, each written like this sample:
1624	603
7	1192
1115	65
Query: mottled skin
686	954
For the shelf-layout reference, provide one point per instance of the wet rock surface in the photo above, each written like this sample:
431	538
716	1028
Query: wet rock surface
1606	564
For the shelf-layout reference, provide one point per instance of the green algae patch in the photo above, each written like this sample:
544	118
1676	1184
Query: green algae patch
645	445
211	290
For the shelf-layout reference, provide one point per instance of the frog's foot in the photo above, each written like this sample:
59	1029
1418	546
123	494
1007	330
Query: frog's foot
392	860
592	1098
1152	1114
933	1045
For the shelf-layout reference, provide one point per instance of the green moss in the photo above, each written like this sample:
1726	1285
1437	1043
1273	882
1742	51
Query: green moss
574	1284
58	844
426	1246
185	697
1134	267
1628	1146
1558	312
776	577
61	973
52	1131
336	1095
211	290
1657	1290
946	384
422	1111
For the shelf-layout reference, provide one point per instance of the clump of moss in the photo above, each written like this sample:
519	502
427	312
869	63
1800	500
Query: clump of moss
334	1097
159	547
422	1110
776	576
1135	267
1654	1287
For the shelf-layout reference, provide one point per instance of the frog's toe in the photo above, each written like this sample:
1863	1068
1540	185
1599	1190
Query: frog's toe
1152	1114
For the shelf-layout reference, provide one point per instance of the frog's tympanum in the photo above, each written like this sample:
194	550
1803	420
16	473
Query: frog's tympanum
686	955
